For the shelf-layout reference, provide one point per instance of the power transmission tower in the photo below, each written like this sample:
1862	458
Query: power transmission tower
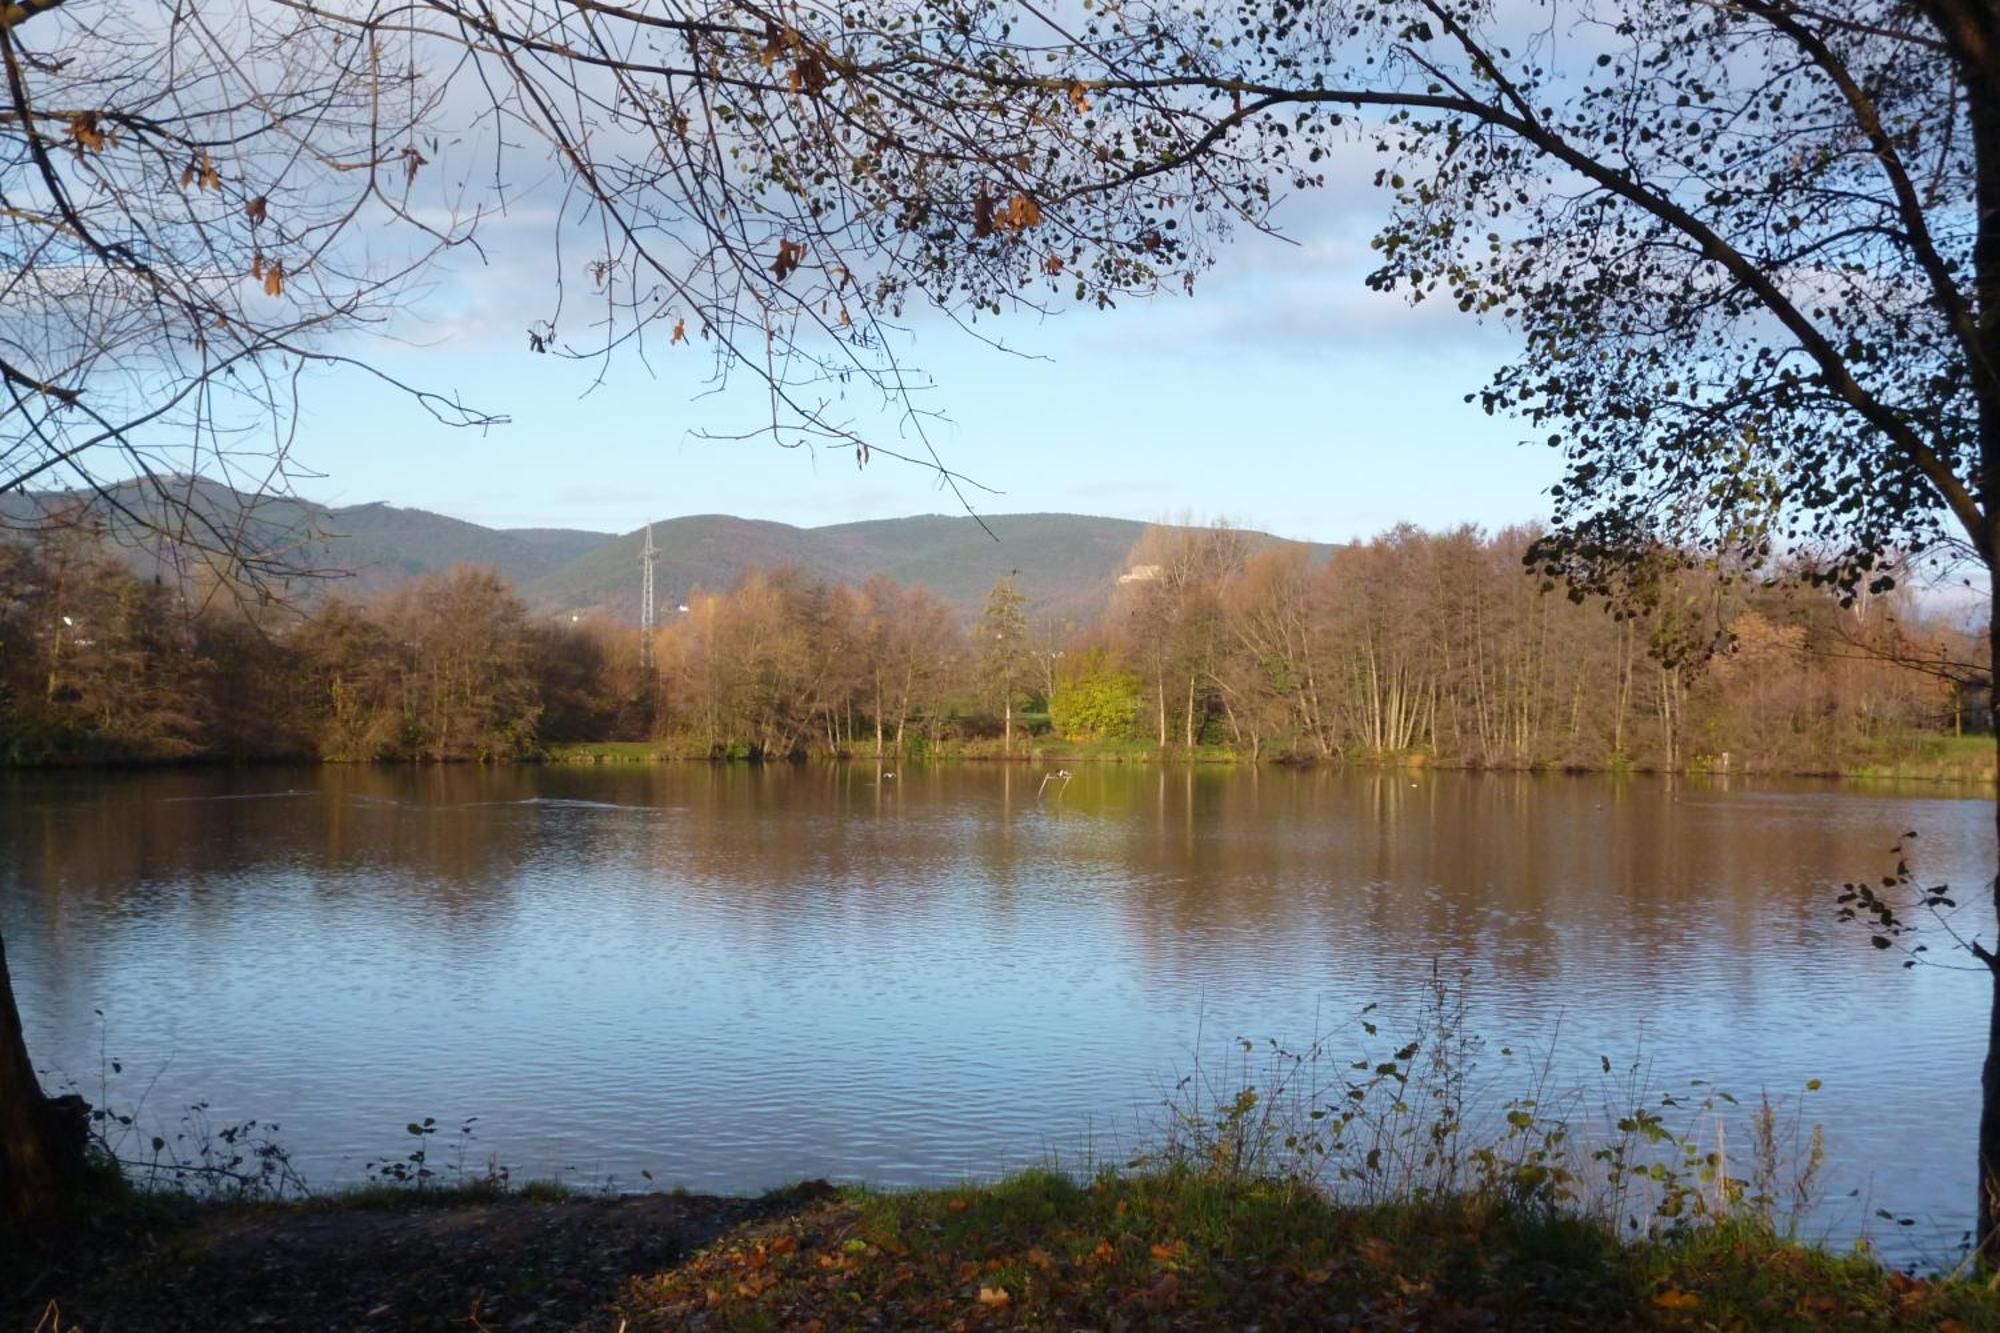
646	558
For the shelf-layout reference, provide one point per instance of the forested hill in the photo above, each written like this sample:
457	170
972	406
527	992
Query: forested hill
1066	564
368	547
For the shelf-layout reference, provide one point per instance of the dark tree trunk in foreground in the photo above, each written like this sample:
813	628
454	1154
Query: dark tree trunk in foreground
42	1138
1971	28
1989	1215
1989	1130
1970	33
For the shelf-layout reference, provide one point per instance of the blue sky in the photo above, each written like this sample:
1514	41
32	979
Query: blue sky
1283	395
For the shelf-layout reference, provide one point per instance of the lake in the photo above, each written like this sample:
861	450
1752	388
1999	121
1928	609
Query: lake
733	977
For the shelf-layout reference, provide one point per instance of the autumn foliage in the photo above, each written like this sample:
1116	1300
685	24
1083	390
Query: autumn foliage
1413	647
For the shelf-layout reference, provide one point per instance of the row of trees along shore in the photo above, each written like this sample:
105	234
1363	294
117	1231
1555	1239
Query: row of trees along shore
1413	644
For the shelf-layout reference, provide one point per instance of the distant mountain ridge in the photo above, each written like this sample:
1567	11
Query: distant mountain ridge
1066	564
373	546
416	541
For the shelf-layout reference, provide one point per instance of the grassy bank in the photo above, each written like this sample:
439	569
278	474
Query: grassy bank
1963	759
1944	759
1181	1250
1049	753
617	752
1172	1249
1933	759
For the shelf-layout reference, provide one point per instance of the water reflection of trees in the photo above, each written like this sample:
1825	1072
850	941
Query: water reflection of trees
1263	875
197	840
1534	879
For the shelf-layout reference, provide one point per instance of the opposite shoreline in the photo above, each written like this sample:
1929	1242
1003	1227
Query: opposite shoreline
1960	761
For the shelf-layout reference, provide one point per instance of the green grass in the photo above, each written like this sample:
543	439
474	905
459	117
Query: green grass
613	752
1040	750
1048	750
1913	759
1184	1250
1934	759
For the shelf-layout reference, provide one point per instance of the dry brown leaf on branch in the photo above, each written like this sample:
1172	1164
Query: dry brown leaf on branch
787	262
274	279
87	132
255	209
809	76
776	39
1079	97
680	332
1023	212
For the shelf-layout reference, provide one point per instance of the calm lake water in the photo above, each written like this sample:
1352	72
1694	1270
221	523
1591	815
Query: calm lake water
734	977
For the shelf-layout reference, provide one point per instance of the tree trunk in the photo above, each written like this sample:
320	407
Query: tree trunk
42	1138
1988	1232
1989	1132
1971	33
903	707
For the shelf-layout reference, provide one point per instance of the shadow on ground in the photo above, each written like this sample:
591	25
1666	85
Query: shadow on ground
505	1264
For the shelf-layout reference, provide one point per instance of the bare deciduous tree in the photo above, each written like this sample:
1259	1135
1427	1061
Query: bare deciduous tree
201	204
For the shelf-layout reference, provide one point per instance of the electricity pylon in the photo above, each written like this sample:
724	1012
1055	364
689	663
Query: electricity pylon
646	558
